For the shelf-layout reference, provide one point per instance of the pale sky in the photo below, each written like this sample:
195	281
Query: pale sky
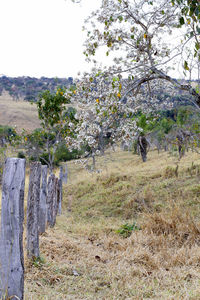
43	37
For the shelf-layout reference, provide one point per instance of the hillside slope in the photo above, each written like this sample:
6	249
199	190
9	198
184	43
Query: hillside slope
18	113
91	254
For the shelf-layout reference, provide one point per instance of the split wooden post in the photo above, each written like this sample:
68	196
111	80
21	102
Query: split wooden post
65	174
61	172
50	199
60	196
56	197
11	241
43	201
33	211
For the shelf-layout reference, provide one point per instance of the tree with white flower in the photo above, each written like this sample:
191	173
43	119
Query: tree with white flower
147	42
103	117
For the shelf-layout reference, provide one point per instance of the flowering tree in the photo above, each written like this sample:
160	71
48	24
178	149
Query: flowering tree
103	117
139	34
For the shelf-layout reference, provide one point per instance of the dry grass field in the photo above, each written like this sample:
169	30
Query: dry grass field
18	113
88	254
92	254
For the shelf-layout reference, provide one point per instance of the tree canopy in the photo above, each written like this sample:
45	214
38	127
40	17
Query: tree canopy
147	39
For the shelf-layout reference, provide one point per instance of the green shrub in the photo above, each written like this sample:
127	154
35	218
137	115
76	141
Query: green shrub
21	154
126	229
63	154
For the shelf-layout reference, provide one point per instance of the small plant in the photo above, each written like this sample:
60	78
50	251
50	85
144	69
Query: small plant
126	229
38	262
21	154
171	172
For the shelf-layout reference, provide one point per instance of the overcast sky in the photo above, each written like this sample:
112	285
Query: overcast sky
43	37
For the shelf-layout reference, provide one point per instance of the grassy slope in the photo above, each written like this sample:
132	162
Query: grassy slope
160	261
19	113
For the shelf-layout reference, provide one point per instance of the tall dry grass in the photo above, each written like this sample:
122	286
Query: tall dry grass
85	257
18	113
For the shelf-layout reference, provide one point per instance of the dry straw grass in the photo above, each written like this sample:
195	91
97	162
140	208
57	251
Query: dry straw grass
84	257
18	113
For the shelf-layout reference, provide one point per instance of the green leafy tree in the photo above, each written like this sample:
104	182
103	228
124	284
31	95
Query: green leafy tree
8	138
57	123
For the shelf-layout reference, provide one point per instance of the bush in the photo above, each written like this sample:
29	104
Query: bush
21	154
7	132
126	229
63	154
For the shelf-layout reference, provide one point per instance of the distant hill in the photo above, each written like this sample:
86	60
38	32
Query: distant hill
28	88
18	113
14	90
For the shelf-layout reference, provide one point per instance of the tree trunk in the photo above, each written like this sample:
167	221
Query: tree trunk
43	201
11	242
93	162
101	143
142	141
33	211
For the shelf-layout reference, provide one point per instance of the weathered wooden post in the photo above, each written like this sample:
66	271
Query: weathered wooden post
43	201
33	211
65	174
56	197
61	172
11	240
50	199
60	197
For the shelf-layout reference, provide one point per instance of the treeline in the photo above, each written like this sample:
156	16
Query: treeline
28	88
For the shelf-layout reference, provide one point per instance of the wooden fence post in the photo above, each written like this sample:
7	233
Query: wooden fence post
55	201
43	201
50	196
11	241
65	174
33	210
61	172
60	196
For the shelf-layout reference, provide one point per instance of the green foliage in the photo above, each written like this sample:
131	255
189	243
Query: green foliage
165	125
127	229
38	262
190	12
183	116
21	154
29	88
57	123
7	132
51	107
145	121
190	8
63	154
